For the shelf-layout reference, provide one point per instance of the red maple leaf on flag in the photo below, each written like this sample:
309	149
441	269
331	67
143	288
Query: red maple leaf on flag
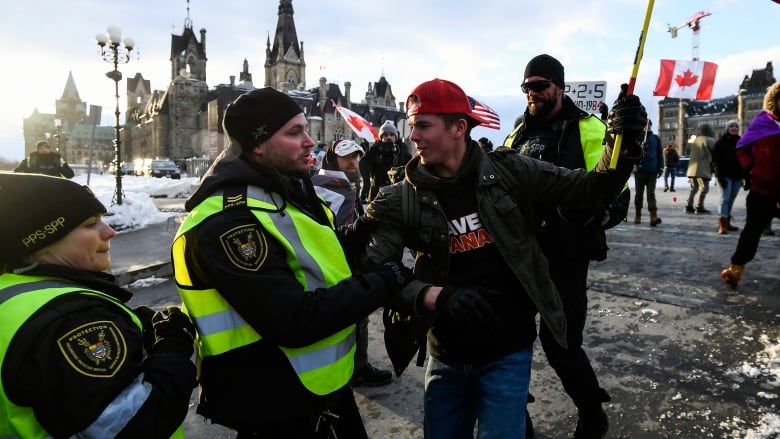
686	79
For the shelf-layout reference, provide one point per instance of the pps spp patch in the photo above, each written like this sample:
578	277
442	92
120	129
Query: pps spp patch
96	349
245	246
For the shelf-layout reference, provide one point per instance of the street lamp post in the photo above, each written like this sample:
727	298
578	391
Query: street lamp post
114	50
58	126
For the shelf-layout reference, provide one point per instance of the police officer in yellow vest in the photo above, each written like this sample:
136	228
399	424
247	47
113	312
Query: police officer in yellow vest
75	360
261	271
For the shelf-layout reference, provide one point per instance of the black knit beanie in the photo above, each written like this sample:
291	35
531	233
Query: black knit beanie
547	67
39	210
255	116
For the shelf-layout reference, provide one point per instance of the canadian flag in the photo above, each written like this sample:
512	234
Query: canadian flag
686	79
360	126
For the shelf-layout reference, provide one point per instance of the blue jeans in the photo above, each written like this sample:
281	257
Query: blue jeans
492	395
728	194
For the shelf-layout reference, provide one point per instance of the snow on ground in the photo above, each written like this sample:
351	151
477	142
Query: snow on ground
137	209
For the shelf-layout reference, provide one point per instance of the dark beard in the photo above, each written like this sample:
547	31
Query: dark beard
542	112
352	176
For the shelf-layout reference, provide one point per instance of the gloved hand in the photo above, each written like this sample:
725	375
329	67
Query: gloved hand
660	173
395	274
722	182
628	116
354	237
746	184
146	314
473	308
173	332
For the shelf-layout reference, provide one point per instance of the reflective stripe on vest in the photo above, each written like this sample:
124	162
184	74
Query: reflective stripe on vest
16	307
323	366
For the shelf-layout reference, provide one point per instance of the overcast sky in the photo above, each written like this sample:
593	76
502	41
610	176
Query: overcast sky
483	46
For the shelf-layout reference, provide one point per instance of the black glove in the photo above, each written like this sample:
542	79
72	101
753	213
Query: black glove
722	182
472	308
628	116
660	173
746	183
395	274
173	331
146	314
354	237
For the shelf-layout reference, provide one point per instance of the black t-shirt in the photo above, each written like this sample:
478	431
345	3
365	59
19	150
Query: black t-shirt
476	261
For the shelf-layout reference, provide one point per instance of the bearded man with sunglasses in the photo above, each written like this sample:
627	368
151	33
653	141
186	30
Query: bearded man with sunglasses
555	130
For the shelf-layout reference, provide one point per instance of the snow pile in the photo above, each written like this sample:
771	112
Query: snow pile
137	209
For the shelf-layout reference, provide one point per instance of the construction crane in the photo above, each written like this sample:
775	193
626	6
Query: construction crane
692	23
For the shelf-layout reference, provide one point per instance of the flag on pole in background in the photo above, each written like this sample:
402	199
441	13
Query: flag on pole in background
686	79
360	126
490	117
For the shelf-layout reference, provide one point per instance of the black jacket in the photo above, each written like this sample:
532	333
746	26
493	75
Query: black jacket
38	373
724	158
47	164
379	158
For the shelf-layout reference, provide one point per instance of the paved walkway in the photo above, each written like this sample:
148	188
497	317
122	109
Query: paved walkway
680	356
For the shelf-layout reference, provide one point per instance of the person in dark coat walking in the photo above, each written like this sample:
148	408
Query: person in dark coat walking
730	175
647	172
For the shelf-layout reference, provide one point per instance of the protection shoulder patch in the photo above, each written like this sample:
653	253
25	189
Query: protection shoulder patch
96	349
245	246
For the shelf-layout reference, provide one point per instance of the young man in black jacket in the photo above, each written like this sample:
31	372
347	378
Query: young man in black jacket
480	274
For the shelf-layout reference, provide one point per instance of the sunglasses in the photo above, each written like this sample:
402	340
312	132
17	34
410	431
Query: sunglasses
536	86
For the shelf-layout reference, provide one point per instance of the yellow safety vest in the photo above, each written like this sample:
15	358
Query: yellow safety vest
315	257
20	297
591	137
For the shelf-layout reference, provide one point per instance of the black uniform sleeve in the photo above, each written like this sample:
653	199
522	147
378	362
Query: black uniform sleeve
264	290
79	363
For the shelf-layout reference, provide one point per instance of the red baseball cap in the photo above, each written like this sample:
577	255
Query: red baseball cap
439	96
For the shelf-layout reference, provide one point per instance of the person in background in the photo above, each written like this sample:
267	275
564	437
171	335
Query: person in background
485	144
44	161
700	169
671	160
647	172
338	183
556	131
758	151
76	361
386	153
730	174
263	272
480	274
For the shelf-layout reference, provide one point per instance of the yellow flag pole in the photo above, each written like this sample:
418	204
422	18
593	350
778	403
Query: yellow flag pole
637	58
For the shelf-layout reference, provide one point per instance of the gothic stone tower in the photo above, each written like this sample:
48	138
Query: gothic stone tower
186	91
284	61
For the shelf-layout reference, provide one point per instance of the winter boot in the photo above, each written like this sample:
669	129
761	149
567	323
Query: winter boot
592	423
702	211
730	227
689	209
654	220
723	225
638	217
732	274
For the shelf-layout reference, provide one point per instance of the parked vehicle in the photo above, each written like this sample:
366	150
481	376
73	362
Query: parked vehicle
164	168
125	169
